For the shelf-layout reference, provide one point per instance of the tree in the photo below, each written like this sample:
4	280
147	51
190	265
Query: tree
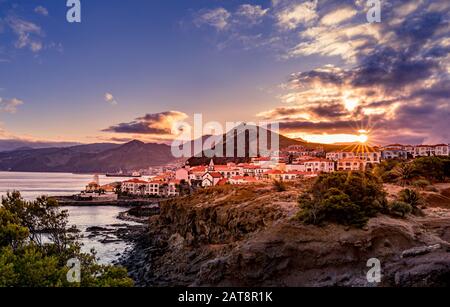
430	167
405	172
279	185
400	208
26	261
348	198
412	198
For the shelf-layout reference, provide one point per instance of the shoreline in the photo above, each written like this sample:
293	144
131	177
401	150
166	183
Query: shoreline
69	201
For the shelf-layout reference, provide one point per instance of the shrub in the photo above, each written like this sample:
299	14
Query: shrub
279	185
412	198
430	167
27	260
343	198
421	183
400	208
404	173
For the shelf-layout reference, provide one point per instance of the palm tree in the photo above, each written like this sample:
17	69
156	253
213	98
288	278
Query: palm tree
404	172
412	198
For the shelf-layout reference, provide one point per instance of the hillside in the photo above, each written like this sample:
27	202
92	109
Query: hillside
247	237
232	136
90	158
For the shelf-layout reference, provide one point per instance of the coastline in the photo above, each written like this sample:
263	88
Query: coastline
65	201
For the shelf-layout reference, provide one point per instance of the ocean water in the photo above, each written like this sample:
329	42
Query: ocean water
33	185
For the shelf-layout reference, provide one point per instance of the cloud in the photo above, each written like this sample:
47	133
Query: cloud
29	35
150	124
10	105
339	16
295	15
217	18
251	13
396	80
41	10
109	98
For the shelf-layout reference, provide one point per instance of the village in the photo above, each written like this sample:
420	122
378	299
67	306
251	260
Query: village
292	163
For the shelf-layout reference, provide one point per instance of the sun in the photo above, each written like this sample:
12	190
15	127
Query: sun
363	138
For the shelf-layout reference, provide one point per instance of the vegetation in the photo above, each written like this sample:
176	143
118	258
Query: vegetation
400	208
412	198
279	185
417	172
421	183
36	245
348	198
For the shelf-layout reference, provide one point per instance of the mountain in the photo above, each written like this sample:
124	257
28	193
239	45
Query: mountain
91	158
242	132
13	144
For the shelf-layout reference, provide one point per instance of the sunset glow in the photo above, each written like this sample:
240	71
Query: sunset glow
336	138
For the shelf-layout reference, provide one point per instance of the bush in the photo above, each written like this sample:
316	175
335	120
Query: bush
35	245
279	185
343	198
412	198
421	183
400	208
430	167
404	173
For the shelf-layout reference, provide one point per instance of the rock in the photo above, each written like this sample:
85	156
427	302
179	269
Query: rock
251	242
97	229
418	251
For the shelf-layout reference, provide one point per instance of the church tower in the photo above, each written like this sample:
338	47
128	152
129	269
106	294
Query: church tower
211	166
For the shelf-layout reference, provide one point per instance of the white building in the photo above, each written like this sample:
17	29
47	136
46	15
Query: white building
318	165
351	165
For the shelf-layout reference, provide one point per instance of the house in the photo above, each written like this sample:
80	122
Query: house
211	179
393	153
339	155
134	186
154	188
370	157
182	174
351	165
298	166
92	187
273	174
441	150
196	173
227	171
109	188
292	175
318	165
172	188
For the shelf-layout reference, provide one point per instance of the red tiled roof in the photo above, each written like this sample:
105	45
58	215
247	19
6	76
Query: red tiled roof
317	160
136	181
222	181
274	172
214	174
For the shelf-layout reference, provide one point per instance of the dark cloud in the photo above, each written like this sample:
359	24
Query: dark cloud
399	79
156	124
392	70
320	127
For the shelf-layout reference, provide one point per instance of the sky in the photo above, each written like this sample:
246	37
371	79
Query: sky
132	68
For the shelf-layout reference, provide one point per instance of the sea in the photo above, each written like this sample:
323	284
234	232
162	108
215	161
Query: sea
33	185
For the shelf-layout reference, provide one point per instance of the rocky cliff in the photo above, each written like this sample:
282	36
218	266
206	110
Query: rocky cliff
248	236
